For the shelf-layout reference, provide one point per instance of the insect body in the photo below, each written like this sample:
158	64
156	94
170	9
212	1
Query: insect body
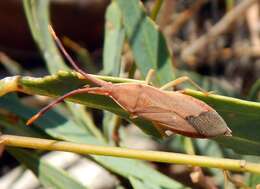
167	110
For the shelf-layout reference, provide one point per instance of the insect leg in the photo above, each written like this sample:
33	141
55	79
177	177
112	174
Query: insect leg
94	90
237	183
149	76
115	132
162	130
184	79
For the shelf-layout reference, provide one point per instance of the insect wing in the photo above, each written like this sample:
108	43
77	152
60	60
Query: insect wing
170	121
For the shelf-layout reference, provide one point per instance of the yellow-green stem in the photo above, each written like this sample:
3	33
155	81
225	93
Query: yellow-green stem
188	145
166	157
156	9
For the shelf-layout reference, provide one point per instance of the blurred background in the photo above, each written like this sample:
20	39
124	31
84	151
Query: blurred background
218	39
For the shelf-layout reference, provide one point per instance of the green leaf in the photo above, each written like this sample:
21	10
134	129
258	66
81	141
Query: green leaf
83	55
14	125
114	40
48	175
53	124
138	169
243	119
138	184
146	41
253	180
12	67
57	85
150	50
113	47
37	14
255	91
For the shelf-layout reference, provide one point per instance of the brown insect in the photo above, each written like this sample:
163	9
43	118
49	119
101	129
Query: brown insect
167	110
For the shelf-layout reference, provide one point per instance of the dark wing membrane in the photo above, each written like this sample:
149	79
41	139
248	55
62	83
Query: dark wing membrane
209	124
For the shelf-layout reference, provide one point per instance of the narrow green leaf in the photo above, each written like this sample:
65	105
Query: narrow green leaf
83	55
48	175
253	180
53	124
113	47
243	119
12	67
138	184
254	93
146	41
150	50
114	40
37	13
57	85
138	169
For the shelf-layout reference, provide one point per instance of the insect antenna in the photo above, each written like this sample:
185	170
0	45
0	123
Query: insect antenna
71	93
55	102
98	82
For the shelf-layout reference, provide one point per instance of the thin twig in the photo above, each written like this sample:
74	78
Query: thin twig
11	65
219	28
252	16
197	175
199	178
166	157
184	17
115	134
166	12
156	9
254	93
237	183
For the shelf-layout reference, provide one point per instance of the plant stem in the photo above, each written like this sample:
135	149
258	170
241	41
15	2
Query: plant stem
132	71
166	157
156	9
189	53
188	145
253	94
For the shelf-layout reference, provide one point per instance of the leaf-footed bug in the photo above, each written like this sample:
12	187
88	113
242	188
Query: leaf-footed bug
167	110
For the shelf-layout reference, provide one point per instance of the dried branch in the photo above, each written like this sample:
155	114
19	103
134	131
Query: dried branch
184	17
219	28
252	16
